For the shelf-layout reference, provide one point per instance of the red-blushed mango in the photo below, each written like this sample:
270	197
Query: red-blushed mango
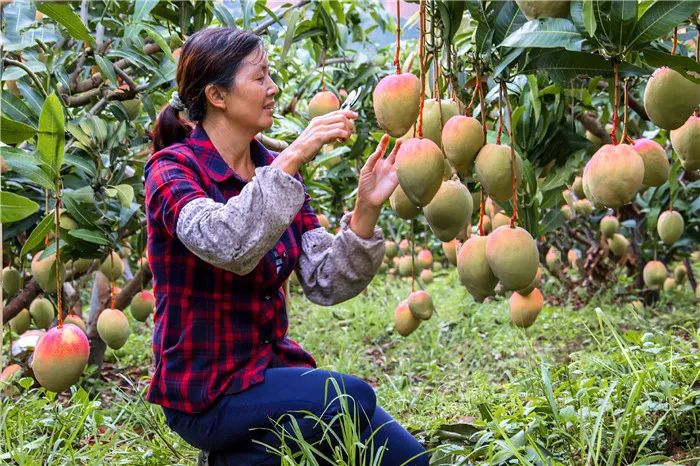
11	279
524	309
406	264
577	187
609	225
474	270
491	208
113	327
419	167
404	246
654	274
670	226
513	257
142	305
450	250
60	357
7	376
680	273
686	143
112	266
656	165
404	321
322	103
21	322
462	138
424	258
553	259
614	175
421	305
396	101
391	249
670	98
75	320
426	276
42	312
44	271
574	258
618	244
402	205
499	220
670	284
494	171
544	8
535	283
449	210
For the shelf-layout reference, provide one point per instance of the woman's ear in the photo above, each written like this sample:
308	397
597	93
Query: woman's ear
215	96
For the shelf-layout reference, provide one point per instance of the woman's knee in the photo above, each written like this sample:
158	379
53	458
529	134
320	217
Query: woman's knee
360	396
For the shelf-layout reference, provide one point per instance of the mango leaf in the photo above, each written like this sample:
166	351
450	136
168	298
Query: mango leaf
564	65
158	39
292	17
657	58
106	69
14	207
89	236
125	193
36	238
27	165
51	133
82	163
508	18
660	19
14	132
589	17
15	109
63	13
142	8
546	33
623	17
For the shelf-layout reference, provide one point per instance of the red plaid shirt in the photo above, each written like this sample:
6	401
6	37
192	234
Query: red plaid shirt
215	332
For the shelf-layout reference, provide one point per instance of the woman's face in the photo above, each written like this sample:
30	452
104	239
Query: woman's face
251	101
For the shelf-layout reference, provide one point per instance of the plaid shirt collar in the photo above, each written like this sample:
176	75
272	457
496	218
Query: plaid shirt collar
215	166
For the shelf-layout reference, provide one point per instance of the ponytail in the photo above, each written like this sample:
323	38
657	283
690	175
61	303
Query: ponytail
170	128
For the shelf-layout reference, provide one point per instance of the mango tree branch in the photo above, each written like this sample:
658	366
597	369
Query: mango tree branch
19	64
591	123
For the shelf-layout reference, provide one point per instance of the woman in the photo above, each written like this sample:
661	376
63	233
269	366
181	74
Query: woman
228	222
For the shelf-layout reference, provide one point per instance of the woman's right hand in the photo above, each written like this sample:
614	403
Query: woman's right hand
328	128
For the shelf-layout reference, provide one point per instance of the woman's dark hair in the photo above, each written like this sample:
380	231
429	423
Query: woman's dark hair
209	56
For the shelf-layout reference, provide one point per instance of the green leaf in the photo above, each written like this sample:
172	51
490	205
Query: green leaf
292	17
660	19
623	17
106	69
508	19
125	193
27	165
158	39
14	132
14	108
14	207
63	13
588	17
142	8
83	163
89	236
546	33
683	65
564	65
36	238
51	133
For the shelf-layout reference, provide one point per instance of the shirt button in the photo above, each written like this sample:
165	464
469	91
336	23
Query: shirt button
267	341
267	297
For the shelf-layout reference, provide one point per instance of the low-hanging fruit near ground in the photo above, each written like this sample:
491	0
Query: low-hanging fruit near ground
113	327
322	103
419	167
450	250
474	270
402	205
493	169
11	279
75	320
670	98
391	249
7	376
670	226
680	273
544	8
535	283
21	322
656	165
670	284
424	259
513	257
426	276
462	138
44	271
60	357
618	244
614	175
553	259
686	143
142	305
609	225
396	102
654	274
421	305
406	264
112	266
449	210
404	246
404	321
573	256
42	312
524	309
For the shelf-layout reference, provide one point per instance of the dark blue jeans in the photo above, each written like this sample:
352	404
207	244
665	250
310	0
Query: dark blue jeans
225	429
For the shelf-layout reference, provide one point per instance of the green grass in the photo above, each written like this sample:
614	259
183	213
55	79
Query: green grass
601	385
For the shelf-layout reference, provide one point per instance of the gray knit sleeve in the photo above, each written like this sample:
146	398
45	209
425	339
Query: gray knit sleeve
235	236
333	269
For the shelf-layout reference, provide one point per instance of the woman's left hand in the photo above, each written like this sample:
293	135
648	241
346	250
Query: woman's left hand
378	177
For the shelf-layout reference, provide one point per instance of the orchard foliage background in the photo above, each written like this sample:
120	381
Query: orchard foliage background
82	82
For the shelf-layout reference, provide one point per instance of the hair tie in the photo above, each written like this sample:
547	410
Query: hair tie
176	103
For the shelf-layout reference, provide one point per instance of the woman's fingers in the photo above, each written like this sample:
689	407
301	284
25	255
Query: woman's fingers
392	157
378	154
